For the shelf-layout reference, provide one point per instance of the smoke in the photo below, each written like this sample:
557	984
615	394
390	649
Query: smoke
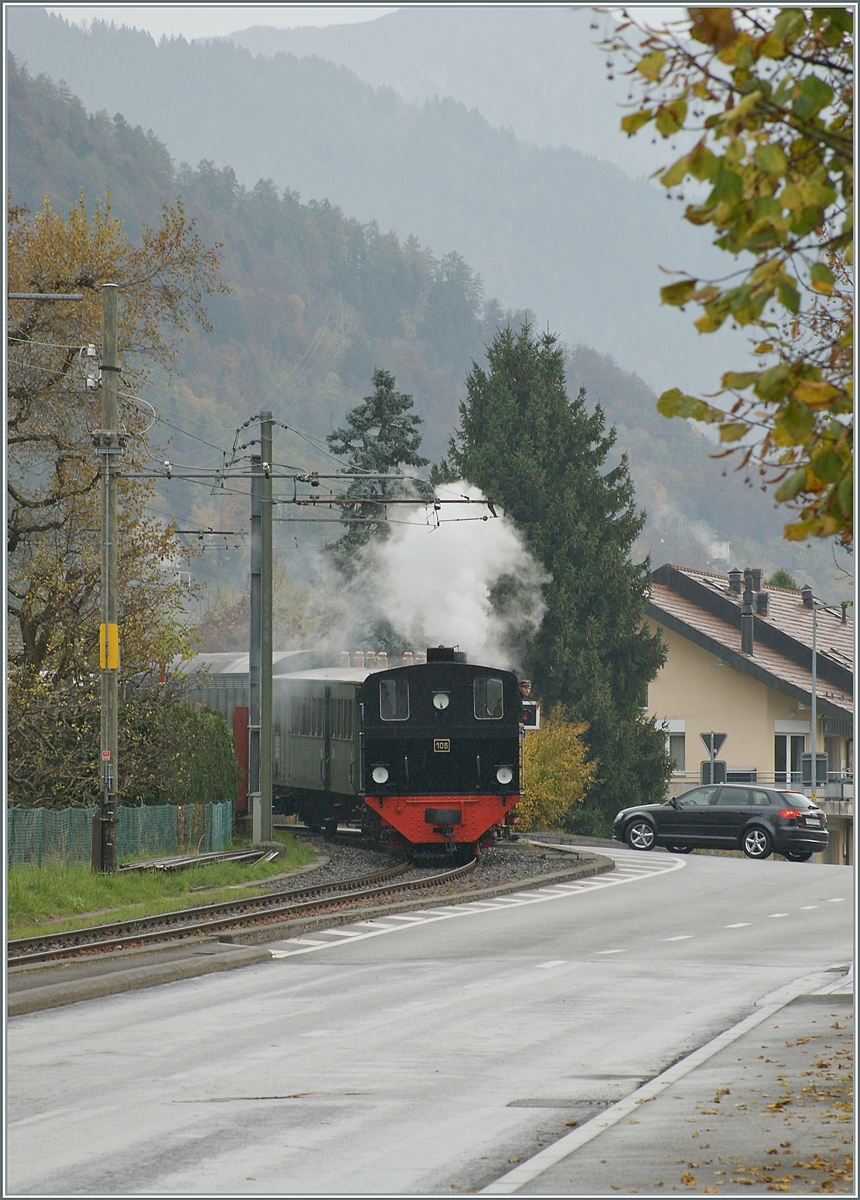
468	581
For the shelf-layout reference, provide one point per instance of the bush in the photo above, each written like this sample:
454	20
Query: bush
557	775
170	751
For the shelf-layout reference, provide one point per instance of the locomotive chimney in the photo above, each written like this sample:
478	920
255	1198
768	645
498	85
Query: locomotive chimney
358	658
344	658
407	658
370	659
420	657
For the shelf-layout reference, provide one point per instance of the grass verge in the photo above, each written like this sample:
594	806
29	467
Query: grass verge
52	899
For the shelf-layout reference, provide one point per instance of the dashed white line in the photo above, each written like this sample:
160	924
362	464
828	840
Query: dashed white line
681	937
554	962
805	906
774	915
611	951
738	925
391	922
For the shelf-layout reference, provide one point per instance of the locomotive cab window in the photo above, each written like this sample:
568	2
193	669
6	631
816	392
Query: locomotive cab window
488	693
394	700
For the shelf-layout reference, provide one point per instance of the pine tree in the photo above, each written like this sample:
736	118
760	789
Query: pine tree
543	457
381	436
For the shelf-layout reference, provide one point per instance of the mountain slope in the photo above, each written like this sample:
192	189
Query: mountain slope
575	235
318	301
534	69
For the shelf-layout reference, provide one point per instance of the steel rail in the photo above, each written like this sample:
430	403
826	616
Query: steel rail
214	917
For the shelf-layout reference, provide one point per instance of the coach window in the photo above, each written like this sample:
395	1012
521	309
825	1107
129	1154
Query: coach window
394	700
488	693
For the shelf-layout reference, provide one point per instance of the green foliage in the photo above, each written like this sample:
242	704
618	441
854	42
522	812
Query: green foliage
169	751
557	775
782	579
381	437
543	458
771	92
36	896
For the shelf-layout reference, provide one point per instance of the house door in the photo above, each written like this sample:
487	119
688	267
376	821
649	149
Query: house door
787	749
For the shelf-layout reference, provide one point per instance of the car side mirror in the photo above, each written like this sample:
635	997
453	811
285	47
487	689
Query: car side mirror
674	802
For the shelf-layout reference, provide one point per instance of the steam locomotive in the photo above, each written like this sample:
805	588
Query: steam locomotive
427	754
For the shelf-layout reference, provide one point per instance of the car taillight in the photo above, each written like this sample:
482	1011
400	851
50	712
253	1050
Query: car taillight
790	812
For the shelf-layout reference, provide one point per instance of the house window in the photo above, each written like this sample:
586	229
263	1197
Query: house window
678	752
787	749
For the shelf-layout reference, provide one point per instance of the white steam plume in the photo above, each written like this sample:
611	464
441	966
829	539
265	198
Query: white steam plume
469	582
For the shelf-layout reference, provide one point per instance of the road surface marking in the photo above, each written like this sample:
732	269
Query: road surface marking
392	922
611	951
681	937
526	1172
835	899
738	925
805	906
554	962
772	915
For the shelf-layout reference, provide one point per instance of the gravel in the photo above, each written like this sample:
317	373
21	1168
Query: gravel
503	863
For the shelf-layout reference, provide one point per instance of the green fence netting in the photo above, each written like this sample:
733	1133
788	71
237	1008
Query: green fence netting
45	837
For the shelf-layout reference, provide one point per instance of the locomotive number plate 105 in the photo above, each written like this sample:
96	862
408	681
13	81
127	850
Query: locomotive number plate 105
442	745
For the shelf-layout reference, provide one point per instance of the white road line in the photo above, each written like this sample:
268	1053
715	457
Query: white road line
773	915
611	951
805	906
836	900
554	962
393	922
681	937
738	925
522	1175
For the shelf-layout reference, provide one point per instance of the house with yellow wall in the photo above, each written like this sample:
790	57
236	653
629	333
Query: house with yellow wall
739	664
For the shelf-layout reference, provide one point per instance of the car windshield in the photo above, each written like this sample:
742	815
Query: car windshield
798	800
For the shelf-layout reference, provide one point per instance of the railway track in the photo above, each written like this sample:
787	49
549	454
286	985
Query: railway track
213	918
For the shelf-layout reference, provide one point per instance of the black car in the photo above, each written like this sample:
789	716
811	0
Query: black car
757	820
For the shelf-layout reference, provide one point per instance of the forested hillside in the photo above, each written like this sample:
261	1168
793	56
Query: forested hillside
570	235
320	299
532	68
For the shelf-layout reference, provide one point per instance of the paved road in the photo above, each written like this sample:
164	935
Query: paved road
416	1055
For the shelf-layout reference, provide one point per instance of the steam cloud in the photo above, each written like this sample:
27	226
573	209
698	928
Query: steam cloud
469	582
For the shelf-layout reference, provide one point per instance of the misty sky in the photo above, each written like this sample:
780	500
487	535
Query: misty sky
216	20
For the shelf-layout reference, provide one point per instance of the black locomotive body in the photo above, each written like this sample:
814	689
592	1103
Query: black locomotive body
423	754
440	750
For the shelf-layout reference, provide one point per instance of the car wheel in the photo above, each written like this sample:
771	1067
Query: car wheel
757	843
798	855
639	835
680	849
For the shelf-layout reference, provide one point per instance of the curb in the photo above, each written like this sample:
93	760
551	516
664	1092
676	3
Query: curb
201	961
190	957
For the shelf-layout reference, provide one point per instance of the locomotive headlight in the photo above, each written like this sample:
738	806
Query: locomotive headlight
380	774
441	700
504	774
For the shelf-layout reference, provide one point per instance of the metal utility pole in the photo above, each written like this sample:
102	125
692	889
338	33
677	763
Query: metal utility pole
260	651
109	446
266	630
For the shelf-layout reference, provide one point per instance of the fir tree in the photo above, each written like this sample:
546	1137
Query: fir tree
380	437
543	457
